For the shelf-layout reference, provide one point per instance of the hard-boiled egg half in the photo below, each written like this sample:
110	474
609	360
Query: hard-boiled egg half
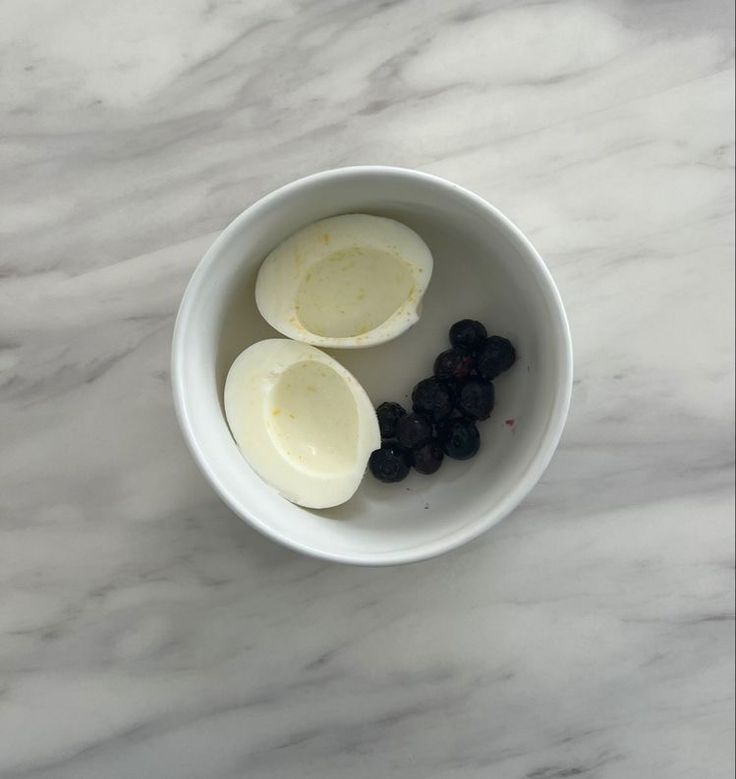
302	421
347	281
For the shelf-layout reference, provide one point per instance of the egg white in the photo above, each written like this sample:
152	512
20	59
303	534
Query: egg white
301	420
348	281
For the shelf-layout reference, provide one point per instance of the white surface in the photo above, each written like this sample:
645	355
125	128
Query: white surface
146	630
484	268
301	421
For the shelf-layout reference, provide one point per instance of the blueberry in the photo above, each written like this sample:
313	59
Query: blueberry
432	398
454	364
428	457
413	430
388	415
467	334
390	463
477	399
454	388
495	356
460	439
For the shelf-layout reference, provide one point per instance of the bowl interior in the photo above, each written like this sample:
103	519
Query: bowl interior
484	269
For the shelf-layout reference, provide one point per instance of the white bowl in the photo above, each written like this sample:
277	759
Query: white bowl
484	269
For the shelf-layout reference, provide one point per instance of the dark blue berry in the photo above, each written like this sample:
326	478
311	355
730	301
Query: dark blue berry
454	364
477	399
388	415
390	463
460	439
495	356
454	388
467	334
431	398
413	430
428	457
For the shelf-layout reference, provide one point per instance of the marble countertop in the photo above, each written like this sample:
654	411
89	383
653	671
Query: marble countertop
145	631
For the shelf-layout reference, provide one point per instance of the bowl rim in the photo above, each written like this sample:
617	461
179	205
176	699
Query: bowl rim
549	439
